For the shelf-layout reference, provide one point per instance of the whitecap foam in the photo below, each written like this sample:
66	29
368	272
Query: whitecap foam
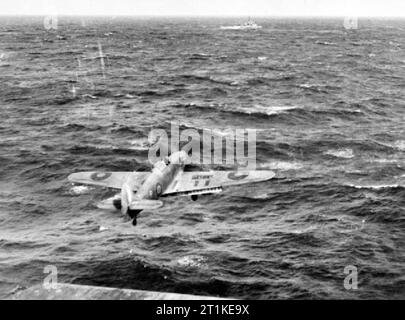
223	133
269	110
341	153
79	190
89	96
375	187
261	197
400	145
140	144
388	161
191	261
281	165
325	43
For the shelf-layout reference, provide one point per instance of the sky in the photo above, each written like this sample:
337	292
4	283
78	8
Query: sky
206	7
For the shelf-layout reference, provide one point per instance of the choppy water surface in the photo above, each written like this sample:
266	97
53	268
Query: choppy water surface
329	109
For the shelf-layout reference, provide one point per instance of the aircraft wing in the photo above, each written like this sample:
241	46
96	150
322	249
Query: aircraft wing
109	179
194	183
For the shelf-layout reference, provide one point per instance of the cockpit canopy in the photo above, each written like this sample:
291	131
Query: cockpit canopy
160	165
177	158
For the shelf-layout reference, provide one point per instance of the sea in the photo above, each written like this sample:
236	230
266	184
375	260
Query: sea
327	104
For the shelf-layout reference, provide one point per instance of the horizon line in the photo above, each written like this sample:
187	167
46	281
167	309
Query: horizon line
194	15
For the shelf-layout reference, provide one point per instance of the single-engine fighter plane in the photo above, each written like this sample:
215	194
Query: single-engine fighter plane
142	190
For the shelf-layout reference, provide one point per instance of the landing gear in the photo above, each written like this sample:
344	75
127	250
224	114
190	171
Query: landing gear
133	214
117	204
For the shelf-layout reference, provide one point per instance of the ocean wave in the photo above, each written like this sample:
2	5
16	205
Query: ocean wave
287	113
78	190
376	187
257	81
192	261
75	127
127	130
200	56
267	110
326	43
400	145
319	88
341	153
256	110
197	78
102	150
140	144
281	165
102	229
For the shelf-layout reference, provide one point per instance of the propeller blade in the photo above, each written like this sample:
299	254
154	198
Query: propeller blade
126	198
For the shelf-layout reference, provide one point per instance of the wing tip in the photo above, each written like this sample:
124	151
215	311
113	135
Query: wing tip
75	177
270	175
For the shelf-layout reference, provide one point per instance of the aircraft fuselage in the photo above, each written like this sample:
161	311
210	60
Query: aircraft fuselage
156	183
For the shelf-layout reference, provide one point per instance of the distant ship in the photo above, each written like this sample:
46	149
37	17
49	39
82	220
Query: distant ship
351	23
249	25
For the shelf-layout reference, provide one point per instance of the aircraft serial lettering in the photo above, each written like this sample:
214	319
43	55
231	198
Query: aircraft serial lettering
201	177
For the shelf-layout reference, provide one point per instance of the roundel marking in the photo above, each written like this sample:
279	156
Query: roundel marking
158	189
236	176
100	176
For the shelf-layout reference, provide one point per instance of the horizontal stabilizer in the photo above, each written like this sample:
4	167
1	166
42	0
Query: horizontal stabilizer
108	204
145	204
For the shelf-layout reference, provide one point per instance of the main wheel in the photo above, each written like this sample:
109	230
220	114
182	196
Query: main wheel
117	204
133	213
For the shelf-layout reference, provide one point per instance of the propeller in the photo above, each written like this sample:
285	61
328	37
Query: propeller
126	197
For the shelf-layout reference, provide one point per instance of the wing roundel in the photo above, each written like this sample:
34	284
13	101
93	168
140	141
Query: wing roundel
109	179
